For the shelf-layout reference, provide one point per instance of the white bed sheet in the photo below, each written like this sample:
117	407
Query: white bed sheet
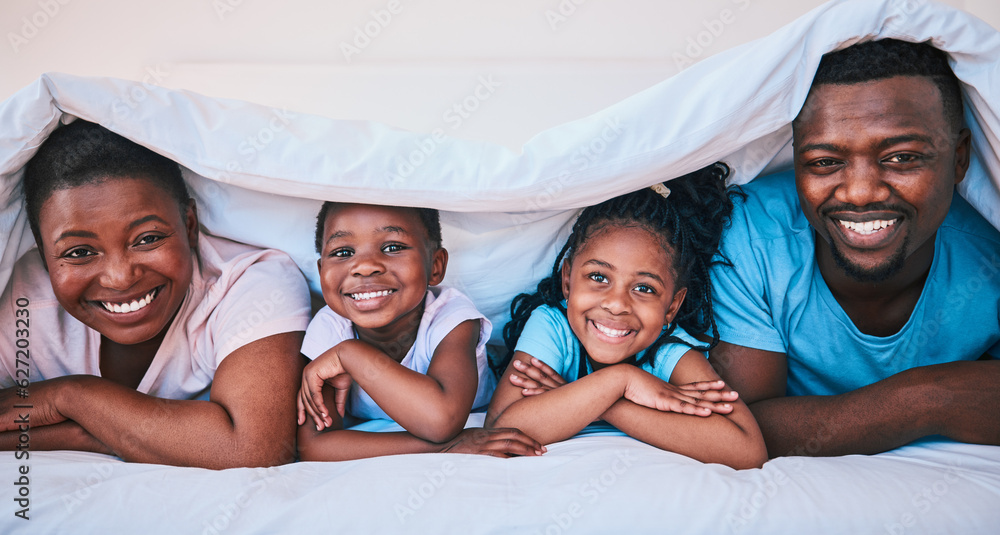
258	174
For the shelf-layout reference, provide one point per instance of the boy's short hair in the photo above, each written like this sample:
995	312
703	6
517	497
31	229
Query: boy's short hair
430	218
83	153
886	58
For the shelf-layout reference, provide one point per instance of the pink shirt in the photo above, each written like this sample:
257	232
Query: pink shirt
238	294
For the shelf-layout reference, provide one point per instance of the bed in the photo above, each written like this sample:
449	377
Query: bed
259	174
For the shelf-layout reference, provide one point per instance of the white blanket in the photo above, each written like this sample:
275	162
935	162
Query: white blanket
258	175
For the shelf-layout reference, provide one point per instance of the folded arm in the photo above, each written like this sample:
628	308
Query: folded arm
960	400
248	420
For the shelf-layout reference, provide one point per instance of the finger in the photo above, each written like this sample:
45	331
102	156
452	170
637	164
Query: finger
537	373
304	400
340	401
533	391
548	371
300	408
718	384
523	382
513	440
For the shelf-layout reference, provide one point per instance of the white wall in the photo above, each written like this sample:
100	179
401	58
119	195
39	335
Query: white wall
537	62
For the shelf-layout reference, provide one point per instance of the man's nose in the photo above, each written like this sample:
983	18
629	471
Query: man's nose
863	184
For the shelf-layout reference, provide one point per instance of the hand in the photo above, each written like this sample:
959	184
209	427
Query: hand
501	442
700	398
535	377
42	397
325	369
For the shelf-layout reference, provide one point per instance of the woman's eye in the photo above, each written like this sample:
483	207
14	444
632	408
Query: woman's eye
342	253
149	239
597	277
393	247
78	253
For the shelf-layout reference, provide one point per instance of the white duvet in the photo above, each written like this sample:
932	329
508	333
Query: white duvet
258	175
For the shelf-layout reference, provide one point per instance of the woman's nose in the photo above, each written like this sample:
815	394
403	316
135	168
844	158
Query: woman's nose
120	271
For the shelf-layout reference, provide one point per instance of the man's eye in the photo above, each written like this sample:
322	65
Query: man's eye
824	162
597	277
902	158
342	253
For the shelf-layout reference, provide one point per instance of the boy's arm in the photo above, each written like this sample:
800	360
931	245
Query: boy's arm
433	407
960	400
732	439
338	444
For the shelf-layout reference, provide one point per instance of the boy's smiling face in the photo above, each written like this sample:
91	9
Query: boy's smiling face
376	264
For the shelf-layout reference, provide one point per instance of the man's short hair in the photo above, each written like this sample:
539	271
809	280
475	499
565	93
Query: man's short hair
886	58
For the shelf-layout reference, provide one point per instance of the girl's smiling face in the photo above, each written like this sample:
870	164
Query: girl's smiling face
119	254
620	292
376	264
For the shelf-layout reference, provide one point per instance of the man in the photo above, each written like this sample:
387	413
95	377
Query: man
861	310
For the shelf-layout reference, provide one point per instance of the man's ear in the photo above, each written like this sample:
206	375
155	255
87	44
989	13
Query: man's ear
963	151
675	306
439	265
191	224
565	273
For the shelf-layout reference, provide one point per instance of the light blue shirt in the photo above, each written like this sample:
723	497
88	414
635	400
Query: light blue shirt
775	299
548	337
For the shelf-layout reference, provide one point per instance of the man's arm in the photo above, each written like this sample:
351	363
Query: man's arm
960	400
249	419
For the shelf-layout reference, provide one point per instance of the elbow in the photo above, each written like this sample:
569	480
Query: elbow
441	429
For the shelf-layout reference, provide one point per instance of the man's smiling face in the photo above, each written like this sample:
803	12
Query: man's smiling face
875	166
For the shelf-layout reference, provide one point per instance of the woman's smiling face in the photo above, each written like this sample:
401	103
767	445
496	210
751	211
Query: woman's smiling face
119	254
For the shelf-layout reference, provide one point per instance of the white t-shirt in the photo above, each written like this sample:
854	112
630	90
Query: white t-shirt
444	309
238	294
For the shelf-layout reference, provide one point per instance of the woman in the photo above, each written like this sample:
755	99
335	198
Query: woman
143	337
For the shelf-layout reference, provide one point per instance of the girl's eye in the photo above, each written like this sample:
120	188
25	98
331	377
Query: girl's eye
597	277
393	247
342	253
645	288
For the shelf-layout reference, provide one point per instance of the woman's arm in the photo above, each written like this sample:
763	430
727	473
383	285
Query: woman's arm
433	407
66	435
732	439
249	419
337	444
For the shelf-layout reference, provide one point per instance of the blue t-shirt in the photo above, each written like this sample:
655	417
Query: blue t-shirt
548	337
775	299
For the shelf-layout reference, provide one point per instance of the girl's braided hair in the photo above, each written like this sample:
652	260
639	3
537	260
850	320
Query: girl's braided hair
691	219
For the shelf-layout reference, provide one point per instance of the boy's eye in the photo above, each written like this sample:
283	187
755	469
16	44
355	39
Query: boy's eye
902	158
342	253
393	247
597	277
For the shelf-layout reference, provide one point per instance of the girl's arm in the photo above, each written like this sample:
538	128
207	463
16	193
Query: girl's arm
433	407
249	419
337	444
556	414
732	439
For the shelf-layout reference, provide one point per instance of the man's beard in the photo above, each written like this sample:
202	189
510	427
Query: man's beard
877	273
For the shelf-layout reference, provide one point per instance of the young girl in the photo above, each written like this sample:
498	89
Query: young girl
415	355
604	333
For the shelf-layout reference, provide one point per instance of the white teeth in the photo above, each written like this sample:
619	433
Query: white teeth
615	333
868	227
370	295
136	304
